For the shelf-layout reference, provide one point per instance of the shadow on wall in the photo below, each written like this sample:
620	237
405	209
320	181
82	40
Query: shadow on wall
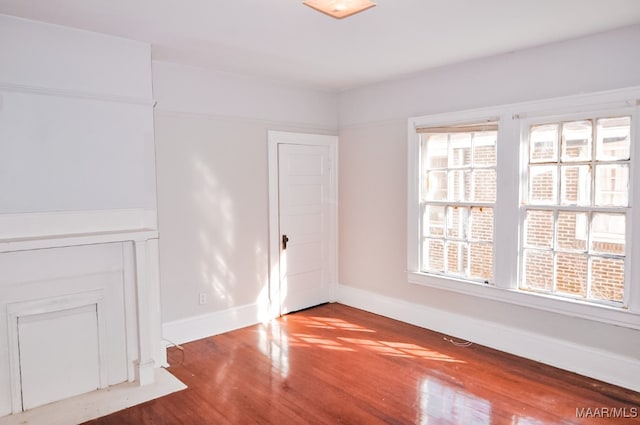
216	234
220	247
266	310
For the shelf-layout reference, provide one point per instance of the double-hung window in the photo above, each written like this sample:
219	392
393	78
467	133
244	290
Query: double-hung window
530	203
457	197
575	208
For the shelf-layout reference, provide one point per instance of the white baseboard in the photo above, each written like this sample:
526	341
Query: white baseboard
206	325
584	360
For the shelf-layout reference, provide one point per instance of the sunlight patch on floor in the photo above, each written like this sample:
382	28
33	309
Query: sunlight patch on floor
330	323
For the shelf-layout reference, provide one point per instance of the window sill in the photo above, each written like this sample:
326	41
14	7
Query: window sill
569	307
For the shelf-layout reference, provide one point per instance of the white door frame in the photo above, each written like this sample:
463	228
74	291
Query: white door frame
276	138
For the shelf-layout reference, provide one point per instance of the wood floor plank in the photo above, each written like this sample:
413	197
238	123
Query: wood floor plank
338	365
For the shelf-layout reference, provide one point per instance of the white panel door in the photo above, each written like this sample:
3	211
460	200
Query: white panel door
304	223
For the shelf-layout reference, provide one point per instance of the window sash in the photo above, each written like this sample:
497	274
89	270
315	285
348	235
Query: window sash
466	268
528	203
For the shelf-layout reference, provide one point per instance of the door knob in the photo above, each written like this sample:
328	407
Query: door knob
285	239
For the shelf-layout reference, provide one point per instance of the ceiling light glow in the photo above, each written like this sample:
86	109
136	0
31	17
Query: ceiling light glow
339	8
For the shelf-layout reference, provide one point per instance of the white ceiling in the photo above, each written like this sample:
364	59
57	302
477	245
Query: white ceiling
285	40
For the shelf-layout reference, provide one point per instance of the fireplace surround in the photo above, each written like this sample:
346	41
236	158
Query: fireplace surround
82	308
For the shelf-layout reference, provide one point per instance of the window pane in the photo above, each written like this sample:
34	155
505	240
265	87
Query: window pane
572	231
481	224
460	155
434	151
543	184
481	261
575	185
538	269
608	233
607	279
543	143
433	221
571	274
576	141
436	189
612	185
539	229
484	148
456	258
432	255
459	185
613	139
484	184
457	222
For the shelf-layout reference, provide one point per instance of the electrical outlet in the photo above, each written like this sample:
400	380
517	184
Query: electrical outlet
203	298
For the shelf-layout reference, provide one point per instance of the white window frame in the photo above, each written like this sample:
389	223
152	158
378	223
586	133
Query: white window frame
512	133
526	124
468	204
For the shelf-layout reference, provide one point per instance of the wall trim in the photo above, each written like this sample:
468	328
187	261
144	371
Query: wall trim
302	127
584	360
73	94
55	223
399	121
198	327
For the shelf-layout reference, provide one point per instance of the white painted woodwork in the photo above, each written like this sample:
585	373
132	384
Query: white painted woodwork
65	279
145	362
302	200
66	325
68	267
206	325
304	219
34	225
71	365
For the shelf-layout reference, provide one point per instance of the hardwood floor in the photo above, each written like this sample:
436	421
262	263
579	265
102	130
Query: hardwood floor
337	365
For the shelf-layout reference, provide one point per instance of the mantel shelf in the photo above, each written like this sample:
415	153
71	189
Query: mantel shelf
75	239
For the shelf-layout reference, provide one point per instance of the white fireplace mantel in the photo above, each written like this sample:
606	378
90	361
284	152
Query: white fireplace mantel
137	233
75	239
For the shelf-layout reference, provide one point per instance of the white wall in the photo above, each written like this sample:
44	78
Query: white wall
34	54
373	173
211	134
599	62
76	129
